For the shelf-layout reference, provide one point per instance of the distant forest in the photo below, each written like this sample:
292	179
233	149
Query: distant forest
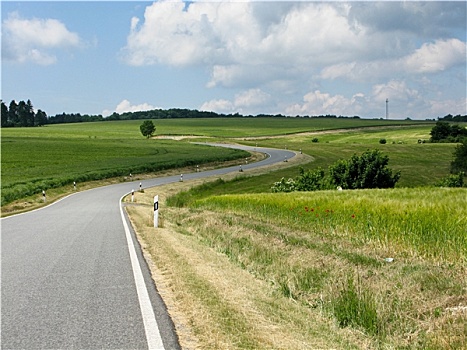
22	114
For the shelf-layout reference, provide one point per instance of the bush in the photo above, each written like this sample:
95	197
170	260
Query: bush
382	141
283	186
366	171
444	132
453	180
315	140
311	180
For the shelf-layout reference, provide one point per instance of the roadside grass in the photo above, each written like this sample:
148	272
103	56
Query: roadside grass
382	268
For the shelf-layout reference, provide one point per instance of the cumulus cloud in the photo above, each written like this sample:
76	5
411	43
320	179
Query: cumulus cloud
320	103
34	40
437	56
324	40
234	37
126	106
245	102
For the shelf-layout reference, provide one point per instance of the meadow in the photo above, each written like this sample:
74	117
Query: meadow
36	159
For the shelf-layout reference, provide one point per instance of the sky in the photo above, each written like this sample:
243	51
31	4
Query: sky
248	57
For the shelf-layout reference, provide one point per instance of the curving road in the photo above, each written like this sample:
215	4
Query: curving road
73	275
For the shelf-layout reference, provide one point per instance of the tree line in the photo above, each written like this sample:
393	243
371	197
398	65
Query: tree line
21	114
445	132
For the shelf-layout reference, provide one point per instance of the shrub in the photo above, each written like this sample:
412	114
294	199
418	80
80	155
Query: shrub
453	180
366	171
311	180
315	140
382	141
284	186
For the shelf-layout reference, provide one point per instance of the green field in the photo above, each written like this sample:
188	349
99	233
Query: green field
42	158
56	155
422	164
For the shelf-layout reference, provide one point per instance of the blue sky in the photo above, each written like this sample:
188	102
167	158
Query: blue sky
291	58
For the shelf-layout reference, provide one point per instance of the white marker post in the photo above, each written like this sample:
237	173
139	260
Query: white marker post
132	195
156	211
43	195
140	187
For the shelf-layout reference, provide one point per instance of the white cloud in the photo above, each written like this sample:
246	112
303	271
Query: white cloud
440	108
218	106
251	98
437	56
319	103
126	106
245	102
234	39
394	90
33	40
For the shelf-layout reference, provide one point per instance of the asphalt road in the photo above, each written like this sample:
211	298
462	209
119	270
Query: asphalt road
73	275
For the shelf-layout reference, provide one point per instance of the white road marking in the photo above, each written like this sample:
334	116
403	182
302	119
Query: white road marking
153	335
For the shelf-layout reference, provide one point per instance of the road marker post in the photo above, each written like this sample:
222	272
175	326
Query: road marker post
156	211
43	195
132	196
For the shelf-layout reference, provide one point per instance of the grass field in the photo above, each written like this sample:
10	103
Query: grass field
34	159
43	158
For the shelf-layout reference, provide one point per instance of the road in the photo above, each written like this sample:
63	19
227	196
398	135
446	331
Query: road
73	275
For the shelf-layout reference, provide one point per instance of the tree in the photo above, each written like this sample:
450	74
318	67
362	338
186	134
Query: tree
4	115
40	118
460	158
440	131
366	171
13	118
444	132
147	128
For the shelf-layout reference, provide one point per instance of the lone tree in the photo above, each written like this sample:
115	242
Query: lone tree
147	128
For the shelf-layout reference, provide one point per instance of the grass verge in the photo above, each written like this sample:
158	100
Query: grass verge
301	284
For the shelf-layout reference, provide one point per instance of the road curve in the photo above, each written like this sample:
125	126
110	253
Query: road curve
73	275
